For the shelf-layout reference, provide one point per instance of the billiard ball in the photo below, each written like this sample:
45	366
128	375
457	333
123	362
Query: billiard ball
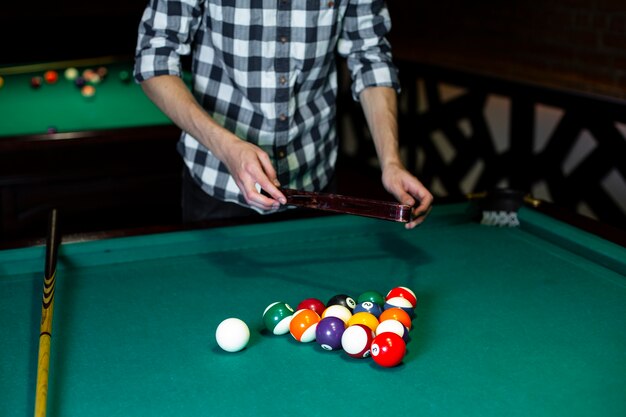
365	318
329	331
337	311
396	314
303	325
368	307
276	317
52	129
232	334
102	72
400	302
388	349
88	91
124	76
342	300
88	74
70	73
371	296
94	79
1	82
393	326
403	292
356	340
51	76
36	81
312	304
79	82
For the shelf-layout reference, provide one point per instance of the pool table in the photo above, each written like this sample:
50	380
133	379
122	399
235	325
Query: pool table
511	321
109	159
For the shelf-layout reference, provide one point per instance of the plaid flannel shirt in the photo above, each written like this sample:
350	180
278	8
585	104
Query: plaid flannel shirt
266	71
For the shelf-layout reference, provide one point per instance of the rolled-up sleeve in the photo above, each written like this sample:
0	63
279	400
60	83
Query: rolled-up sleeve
364	44
165	33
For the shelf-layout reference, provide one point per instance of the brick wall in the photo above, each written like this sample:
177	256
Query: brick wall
569	44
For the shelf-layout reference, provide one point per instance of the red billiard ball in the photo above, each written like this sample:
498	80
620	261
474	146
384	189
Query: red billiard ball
388	349
329	331
403	292
36	81
51	76
356	340
312	304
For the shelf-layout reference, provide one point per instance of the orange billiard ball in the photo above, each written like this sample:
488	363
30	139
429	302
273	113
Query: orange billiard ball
303	325
396	313
88	91
51	76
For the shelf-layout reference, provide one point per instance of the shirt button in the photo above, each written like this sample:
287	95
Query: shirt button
281	154
283	39
282	80
282	117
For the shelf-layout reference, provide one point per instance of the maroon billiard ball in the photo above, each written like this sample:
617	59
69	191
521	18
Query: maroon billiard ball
312	304
36	81
356	340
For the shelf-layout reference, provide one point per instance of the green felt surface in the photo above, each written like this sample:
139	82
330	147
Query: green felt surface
527	321
116	104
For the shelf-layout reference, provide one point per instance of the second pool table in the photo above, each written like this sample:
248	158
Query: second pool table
110	160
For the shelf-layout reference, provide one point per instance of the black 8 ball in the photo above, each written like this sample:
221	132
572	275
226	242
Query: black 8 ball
342	300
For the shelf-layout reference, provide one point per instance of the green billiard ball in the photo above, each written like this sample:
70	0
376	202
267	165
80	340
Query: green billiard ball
277	317
371	296
124	76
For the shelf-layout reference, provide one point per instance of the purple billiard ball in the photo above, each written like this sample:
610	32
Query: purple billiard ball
80	82
329	331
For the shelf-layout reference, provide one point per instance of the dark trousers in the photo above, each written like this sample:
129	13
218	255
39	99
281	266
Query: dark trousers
199	206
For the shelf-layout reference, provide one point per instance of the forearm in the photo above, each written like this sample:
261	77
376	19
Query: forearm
173	97
381	112
247	163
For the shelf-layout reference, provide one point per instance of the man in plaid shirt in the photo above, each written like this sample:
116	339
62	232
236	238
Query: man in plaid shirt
261	112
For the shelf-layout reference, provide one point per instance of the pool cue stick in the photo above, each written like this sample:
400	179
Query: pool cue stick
45	335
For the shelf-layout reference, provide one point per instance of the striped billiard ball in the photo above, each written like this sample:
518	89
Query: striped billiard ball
356	341
276	317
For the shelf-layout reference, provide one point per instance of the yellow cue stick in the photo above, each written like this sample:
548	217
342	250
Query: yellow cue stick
45	335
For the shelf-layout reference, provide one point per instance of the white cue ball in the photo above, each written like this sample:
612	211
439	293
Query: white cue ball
232	334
